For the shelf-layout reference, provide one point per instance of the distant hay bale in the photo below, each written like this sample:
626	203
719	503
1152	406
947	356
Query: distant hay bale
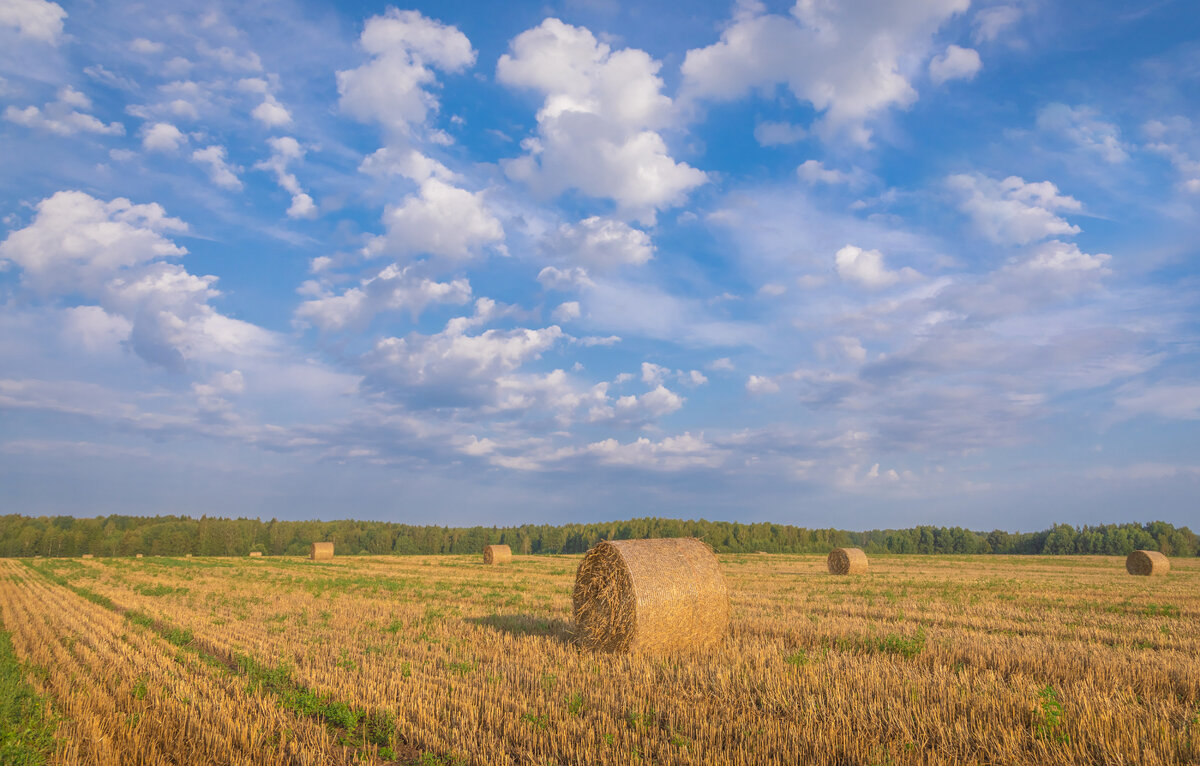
497	554
138	556
321	551
88	556
847	561
653	595
188	556
1146	563
255	554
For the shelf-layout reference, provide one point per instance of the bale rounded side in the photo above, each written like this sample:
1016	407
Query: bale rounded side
653	595
255	554
846	561
497	554
321	551
1147	563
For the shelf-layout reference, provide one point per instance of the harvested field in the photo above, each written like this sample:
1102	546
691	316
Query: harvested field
923	659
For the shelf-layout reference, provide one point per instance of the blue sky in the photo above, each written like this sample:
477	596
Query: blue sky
854	264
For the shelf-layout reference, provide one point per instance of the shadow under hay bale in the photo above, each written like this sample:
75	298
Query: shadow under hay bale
652	595
497	554
321	551
1146	563
847	561
525	625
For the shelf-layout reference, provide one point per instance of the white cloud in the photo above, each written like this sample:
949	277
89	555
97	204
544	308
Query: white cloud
724	364
814	172
162	137
673	453
221	172
866	267
757	384
443	220
1167	399
990	22
272	113
851	60
652	374
955	64
553	278
566	312
144	46
1056	256
409	163
80	248
598	121
601	243
284	150
64	116
1082	127
36	19
778	133
392	289
1013	211
392	88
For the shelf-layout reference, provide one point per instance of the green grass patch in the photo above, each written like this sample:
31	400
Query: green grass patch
26	730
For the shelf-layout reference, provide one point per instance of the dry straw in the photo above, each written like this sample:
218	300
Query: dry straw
847	561
1147	563
87	556
497	554
652	595
321	551
138	556
255	554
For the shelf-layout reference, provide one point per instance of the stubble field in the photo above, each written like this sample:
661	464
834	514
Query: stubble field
441	660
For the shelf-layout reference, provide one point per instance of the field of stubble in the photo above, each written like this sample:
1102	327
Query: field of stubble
441	660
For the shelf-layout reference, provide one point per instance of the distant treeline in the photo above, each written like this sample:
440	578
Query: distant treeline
178	535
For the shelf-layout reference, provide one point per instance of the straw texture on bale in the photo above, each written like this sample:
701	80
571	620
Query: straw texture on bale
188	556
255	554
138	556
1147	563
652	595
321	551
847	561
87	555
497	554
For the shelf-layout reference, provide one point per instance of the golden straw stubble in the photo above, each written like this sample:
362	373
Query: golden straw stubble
654	595
1146	563
846	561
497	554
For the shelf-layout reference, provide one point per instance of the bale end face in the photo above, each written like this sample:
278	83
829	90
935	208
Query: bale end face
1147	563
497	554
320	551
653	595
844	561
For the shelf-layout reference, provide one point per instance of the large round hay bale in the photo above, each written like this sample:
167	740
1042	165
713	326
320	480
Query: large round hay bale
652	595
847	561
497	554
138	556
321	551
255	554
87	556
1146	563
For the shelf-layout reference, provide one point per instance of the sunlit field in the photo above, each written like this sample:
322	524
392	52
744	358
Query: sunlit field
442	660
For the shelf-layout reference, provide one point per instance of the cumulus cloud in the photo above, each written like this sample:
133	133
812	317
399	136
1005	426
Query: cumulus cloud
221	172
271	113
144	46
990	23
441	220
553	278
597	127
392	89
392	289
65	116
778	133
601	244
566	311
1083	128
955	64
80	248
758	384
815	172
851	60
1012	211
35	19
409	163
285	150
162	137
866	267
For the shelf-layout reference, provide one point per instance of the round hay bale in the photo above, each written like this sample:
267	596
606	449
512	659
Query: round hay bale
497	554
652	595
847	561
321	551
87	556
1146	563
138	556
255	554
